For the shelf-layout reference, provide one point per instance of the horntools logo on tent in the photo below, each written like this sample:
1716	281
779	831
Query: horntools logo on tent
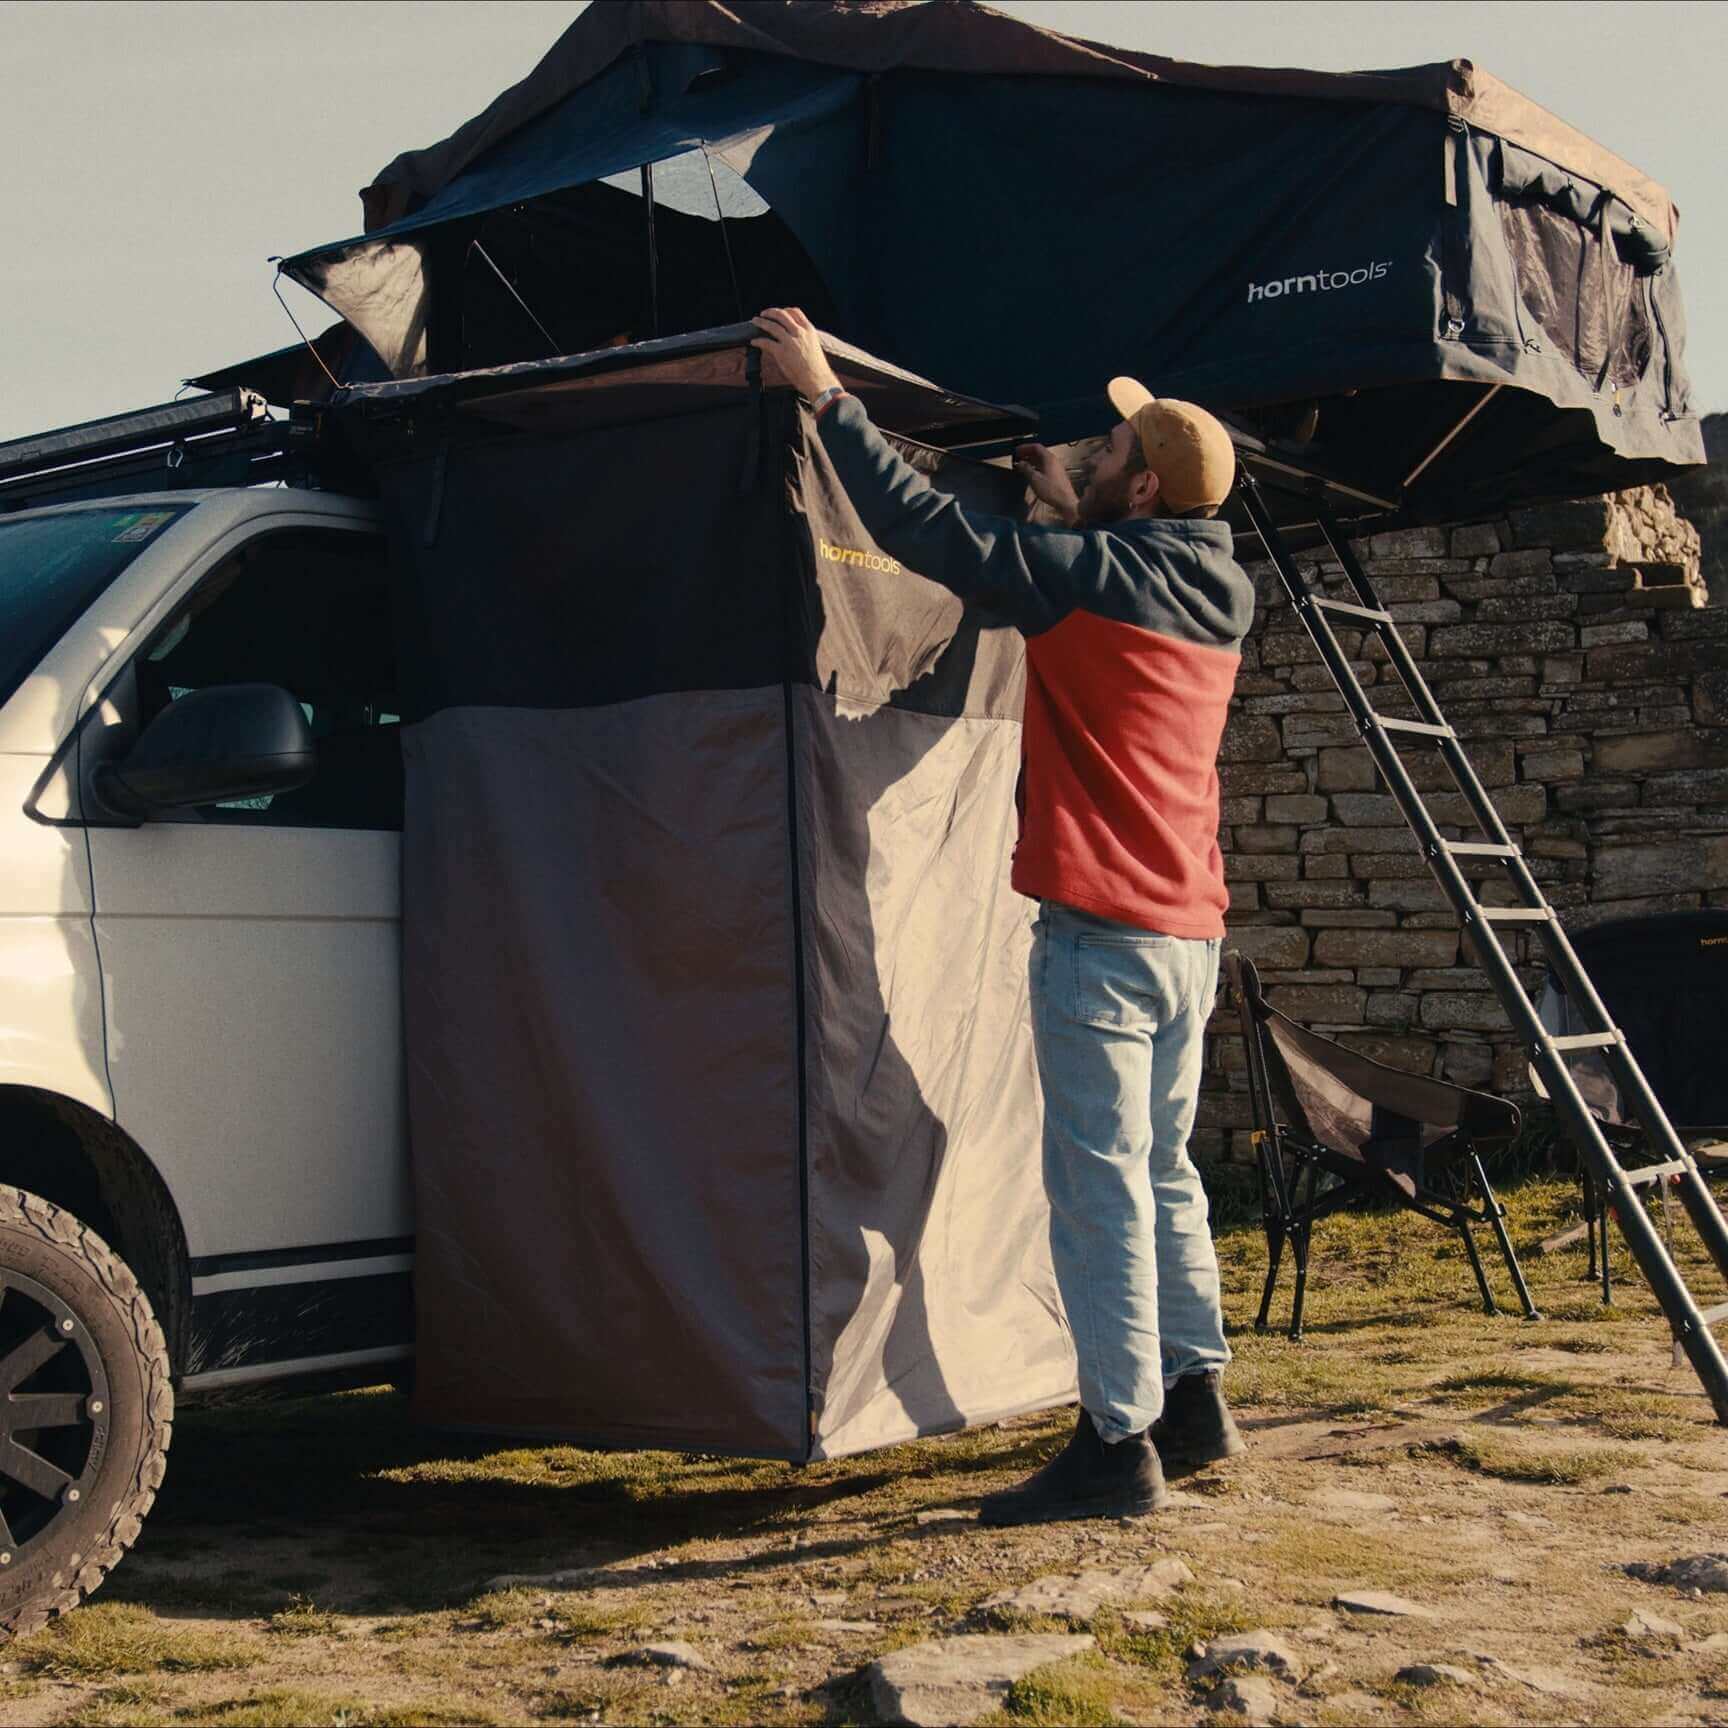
1317	282
851	555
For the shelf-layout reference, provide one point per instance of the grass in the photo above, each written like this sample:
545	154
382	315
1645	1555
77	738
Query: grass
302	1619
341	1577
1511	1461
113	1638
1081	1691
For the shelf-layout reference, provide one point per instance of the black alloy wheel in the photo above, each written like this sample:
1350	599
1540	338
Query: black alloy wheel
86	1410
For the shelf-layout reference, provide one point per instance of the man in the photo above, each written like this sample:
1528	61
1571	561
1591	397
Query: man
1133	611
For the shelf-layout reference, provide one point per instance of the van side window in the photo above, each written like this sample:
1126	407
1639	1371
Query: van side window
309	610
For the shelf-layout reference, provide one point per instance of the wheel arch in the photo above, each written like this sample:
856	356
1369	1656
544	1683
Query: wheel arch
75	1158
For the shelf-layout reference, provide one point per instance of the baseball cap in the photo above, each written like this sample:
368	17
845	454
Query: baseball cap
1187	448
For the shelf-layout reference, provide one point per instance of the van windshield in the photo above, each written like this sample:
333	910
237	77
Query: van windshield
52	567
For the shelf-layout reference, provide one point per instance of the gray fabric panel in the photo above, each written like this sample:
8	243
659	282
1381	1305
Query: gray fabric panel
598	961
932	1299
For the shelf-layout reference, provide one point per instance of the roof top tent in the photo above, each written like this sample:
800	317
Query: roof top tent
1417	281
709	807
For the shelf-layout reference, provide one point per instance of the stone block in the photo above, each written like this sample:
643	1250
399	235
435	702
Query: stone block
1496	688
1294	896
1590	795
1674	865
1486	641
1294	702
1250	738
1316	677
1396	948
1463	1011
1689	625
1392	1008
1708	786
1347	769
1661	752
1266	837
1636	662
1552	765
1573	523
1325	866
1528	561
1710	699
1409	543
1245	779
1268	867
1369	866
1467	1064
1603	635
1378	977
1525	802
1366	809
1241	809
1307	730
1475	540
1425	612
1327	1002
1512	608
1407	895
1473	588
1395	590
1336	840
1347	918
1244	898
1562	669
1413	1054
1296	807
1275	947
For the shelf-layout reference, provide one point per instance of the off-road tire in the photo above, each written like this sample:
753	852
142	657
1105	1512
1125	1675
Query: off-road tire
82	1543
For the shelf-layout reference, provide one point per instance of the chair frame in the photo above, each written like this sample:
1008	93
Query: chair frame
1290	1162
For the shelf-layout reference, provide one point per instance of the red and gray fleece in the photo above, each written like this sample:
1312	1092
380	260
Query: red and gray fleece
1133	641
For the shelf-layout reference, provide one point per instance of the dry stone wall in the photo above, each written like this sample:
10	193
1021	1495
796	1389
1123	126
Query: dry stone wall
1574	647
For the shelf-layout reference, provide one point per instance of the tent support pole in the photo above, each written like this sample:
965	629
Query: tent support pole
1475	408
653	248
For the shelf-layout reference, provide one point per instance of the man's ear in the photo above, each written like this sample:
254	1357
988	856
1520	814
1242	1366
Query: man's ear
1143	490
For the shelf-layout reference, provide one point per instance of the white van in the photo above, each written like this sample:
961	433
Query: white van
202	1132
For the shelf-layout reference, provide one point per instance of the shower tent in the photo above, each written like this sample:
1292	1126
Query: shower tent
724	1118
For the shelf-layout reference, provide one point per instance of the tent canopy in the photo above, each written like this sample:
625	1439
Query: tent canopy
1421	278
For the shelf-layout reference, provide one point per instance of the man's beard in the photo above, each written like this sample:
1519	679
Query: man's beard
1106	500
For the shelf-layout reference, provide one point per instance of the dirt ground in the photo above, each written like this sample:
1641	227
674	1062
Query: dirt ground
320	1561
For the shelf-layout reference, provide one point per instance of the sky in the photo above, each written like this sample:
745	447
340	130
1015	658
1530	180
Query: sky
154	154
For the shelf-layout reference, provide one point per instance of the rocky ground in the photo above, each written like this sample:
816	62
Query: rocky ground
1442	1518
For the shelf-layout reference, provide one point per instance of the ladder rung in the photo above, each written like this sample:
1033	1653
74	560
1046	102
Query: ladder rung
1478	849
1374	614
1517	914
1642	1178
1586	1040
1421	727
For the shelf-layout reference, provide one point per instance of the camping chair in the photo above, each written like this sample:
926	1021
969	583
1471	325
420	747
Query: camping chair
1332	1126
1664	981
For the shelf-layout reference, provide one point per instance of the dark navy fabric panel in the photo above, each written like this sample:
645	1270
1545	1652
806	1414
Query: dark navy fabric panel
579	571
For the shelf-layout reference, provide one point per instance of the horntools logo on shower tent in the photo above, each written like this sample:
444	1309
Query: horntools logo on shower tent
1317	282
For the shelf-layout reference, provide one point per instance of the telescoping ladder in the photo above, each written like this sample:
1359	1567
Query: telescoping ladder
1482	924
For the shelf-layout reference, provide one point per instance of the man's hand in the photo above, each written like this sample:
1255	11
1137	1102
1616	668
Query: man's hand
791	341
1042	470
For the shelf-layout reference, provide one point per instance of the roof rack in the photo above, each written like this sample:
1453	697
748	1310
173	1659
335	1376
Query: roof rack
226	438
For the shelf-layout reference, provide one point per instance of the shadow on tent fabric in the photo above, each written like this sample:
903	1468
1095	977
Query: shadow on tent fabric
932	1304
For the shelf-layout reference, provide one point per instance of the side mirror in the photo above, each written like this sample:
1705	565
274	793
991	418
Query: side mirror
230	741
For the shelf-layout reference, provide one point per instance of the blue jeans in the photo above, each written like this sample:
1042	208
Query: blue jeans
1118	1019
